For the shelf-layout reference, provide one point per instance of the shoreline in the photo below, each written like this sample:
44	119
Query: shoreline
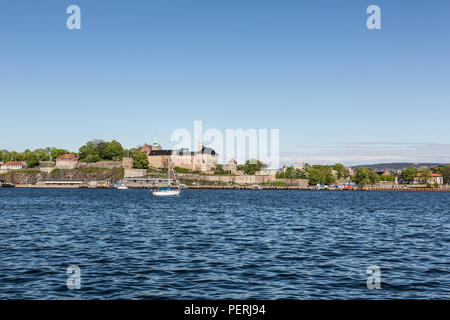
34	186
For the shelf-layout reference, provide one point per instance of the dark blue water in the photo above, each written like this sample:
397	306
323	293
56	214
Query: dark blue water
223	244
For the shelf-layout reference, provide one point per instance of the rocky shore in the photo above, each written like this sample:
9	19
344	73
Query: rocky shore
33	177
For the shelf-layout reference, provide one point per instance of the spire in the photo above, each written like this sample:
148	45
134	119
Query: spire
200	144
155	143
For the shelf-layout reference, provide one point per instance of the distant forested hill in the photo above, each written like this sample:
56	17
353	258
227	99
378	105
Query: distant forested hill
399	166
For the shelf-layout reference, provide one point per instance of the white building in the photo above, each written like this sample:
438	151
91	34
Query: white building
13	165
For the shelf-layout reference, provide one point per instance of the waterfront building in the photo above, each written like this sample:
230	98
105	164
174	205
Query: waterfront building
432	179
67	161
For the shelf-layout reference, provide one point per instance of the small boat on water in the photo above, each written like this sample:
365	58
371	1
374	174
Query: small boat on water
256	187
120	186
169	190
166	191
6	185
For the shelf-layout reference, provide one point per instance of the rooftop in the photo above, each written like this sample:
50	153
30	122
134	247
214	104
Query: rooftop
67	157
182	151
160	153
432	175
13	163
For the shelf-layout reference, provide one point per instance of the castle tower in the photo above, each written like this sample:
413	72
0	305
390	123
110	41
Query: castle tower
155	145
146	149
199	145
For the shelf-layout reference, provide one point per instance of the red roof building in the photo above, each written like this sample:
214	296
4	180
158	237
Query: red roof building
67	157
67	161
13	165
433	178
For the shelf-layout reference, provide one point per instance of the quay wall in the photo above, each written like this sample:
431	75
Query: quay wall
295	182
46	164
101	164
223	179
134	173
35	176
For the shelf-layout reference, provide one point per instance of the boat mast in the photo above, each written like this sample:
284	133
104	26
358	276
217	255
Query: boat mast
172	170
168	170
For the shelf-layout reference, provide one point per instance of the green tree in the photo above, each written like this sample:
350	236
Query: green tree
6	156
445	172
409	174
140	160
91	150
389	178
314	176
92	158
251	166
32	159
362	176
289	173
319	174
128	153
373	177
55	153
426	175
112	150
339	169
365	176
219	169
292	173
300	174
42	154
17	156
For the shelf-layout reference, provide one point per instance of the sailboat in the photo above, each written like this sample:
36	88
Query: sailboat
168	191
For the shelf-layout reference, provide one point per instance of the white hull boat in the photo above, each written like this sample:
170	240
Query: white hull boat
120	186
165	193
169	191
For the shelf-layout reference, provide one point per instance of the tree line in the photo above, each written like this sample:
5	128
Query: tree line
317	174
32	158
365	176
328	175
410	173
92	151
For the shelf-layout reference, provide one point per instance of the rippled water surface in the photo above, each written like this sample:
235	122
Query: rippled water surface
217	244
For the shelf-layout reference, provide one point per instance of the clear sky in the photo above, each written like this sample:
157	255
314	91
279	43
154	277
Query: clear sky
337	91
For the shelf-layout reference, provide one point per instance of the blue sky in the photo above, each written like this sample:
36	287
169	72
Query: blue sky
337	91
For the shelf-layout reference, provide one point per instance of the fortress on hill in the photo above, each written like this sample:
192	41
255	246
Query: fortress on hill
204	159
